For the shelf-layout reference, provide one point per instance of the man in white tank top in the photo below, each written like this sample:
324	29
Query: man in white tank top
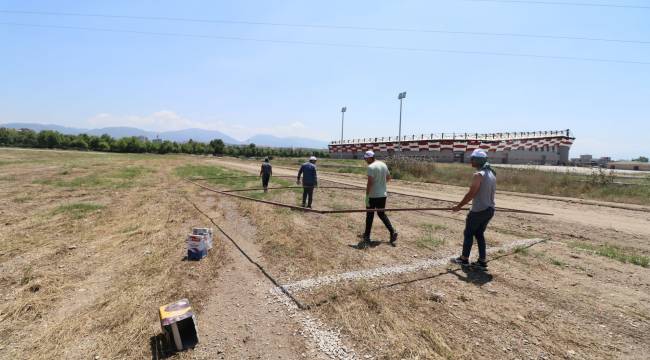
481	194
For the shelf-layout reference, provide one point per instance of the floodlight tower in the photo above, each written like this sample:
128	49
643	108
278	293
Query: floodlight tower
343	110
400	97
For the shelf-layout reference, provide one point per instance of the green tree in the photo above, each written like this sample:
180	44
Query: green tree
102	146
8	136
79	143
49	139
641	159
217	146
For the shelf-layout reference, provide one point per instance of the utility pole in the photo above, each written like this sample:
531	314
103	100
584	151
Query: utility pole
400	97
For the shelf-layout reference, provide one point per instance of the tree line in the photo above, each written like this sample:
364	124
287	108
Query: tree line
49	139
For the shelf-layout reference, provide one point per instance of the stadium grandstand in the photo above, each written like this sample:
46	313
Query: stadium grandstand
539	147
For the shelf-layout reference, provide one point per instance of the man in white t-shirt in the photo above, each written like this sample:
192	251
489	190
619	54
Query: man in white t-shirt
378	176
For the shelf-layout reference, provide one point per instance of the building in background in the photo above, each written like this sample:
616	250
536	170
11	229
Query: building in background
540	147
586	159
630	165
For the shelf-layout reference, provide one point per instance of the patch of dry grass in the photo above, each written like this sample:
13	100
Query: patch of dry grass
77	210
598	186
89	280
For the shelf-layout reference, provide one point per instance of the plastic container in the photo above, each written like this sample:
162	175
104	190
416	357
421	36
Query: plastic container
207	235
197	248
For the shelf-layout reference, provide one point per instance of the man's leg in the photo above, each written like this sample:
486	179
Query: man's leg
370	216
380	203
470	229
304	196
265	182
485	218
310	196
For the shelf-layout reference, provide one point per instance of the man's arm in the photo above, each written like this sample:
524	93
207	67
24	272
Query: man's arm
262	170
473	190
369	185
299	174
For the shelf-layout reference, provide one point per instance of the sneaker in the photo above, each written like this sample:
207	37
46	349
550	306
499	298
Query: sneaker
460	261
393	238
363	244
480	264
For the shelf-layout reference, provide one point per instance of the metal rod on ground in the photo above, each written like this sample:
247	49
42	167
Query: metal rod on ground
292	187
236	177
411	281
260	267
253	199
423	209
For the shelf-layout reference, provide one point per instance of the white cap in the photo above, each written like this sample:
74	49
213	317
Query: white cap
479	153
313	158
369	154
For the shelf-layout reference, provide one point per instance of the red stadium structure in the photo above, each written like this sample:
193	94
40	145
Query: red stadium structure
540	147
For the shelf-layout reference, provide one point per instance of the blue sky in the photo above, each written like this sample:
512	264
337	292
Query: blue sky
95	79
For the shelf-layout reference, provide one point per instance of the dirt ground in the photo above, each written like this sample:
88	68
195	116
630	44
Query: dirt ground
557	299
92	244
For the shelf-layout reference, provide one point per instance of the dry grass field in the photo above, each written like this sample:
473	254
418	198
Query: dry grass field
596	184
91	244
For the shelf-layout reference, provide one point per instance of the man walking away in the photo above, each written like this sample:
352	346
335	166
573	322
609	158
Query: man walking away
378	176
265	172
309	181
481	194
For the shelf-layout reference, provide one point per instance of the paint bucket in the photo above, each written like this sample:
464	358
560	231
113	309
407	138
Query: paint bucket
196	247
178	324
207	235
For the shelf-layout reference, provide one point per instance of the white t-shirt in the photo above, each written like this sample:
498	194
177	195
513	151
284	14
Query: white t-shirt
378	172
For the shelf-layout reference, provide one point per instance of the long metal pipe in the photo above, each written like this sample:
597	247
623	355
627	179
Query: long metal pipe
299	208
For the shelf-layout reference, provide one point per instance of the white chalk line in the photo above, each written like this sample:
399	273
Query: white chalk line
328	341
317	282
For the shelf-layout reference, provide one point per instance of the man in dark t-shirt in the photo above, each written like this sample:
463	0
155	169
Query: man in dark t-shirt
309	181
265	172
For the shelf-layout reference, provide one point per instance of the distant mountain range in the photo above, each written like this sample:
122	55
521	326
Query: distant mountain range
292	141
201	135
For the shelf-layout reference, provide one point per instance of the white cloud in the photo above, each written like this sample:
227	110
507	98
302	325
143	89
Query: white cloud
164	120
295	128
167	120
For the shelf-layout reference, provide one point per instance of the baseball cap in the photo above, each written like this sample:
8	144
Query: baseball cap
369	154
479	153
312	158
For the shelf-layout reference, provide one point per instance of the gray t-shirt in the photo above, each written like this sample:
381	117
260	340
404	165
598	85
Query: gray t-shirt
378	172
484	199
